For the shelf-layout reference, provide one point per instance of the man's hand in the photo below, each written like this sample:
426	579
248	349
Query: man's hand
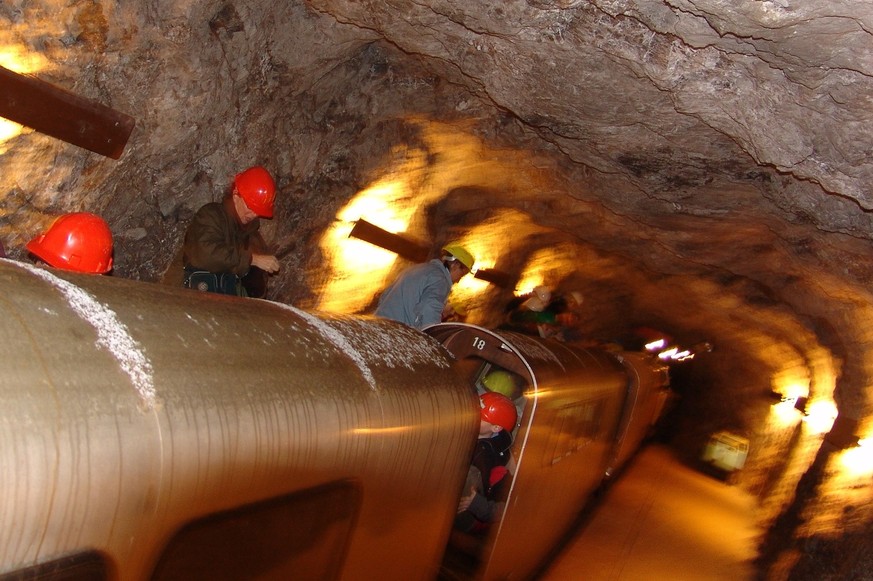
266	262
464	504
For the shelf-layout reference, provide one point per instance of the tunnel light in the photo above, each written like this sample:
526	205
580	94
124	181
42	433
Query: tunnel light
784	413
379	202
820	416
668	354
786	406
359	268
528	283
16	59
655	345
20	60
674	355
470	286
792	390
858	461
796	402
9	129
671	355
544	267
789	397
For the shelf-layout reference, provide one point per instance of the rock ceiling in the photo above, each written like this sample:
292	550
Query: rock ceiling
700	166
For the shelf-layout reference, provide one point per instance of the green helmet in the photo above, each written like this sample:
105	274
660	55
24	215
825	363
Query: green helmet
500	382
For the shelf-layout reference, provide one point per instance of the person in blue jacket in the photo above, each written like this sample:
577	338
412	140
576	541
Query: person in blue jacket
419	294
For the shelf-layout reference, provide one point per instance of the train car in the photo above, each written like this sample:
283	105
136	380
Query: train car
648	396
149	432
157	433
584	412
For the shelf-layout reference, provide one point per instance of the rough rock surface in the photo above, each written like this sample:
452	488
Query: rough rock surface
698	166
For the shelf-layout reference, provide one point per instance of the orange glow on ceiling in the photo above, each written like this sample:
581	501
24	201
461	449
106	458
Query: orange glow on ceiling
851	470
504	231
548	266
411	180
784	414
488	241
359	268
529	281
16	58
469	286
8	130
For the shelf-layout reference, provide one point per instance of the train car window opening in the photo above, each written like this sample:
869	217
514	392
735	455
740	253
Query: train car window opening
85	566
478	352
464	551
301	536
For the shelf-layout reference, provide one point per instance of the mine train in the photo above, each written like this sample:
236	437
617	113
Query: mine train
150	432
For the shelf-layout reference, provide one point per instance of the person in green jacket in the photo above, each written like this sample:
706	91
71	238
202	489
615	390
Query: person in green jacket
222	243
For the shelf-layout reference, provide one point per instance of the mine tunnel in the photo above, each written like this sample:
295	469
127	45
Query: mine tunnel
700	169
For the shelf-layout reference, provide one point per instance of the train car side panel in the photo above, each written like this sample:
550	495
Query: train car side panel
572	406
647	394
64	424
133	411
562	455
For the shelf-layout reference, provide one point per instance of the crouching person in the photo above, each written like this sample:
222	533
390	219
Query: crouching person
222	242
481	502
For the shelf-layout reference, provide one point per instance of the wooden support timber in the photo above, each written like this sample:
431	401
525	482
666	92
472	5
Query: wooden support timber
495	277
376	236
414	251
63	115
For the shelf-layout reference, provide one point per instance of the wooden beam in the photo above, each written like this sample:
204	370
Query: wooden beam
416	252
371	233
63	115
495	277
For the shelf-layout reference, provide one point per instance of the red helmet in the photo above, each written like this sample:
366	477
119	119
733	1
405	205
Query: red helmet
80	242
498	409
257	189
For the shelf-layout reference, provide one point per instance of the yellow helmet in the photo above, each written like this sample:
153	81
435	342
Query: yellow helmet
459	253
501	382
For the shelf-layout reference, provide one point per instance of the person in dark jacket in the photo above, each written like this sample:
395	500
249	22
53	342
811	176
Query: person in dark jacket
222	243
481	502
